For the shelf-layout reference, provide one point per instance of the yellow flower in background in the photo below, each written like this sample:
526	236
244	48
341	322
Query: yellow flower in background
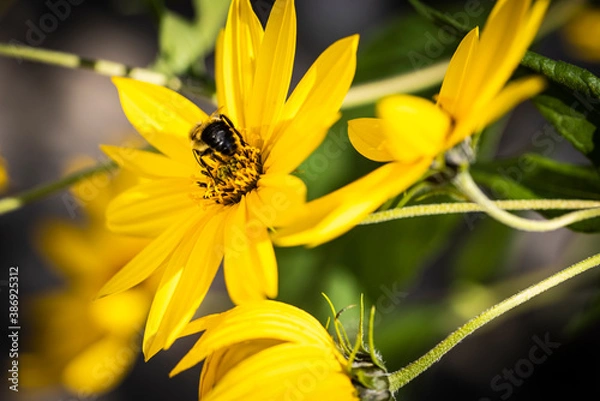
269	350
411	131
3	175
84	345
214	200
582	33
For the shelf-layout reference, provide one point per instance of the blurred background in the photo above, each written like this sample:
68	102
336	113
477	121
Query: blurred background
426	275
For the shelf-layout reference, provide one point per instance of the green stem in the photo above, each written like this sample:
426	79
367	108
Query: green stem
405	375
103	67
467	207
465	183
12	203
411	82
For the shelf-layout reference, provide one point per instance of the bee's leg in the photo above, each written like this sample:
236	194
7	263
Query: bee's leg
198	157
218	158
207	169
228	121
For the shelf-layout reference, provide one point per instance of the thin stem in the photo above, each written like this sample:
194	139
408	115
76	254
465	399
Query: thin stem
410	82
465	183
102	67
405	375
467	207
12	203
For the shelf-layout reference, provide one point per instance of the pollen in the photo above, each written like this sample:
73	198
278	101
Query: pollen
227	180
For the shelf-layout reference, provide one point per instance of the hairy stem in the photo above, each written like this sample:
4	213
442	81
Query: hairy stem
102	67
405	375
465	183
12	203
467	207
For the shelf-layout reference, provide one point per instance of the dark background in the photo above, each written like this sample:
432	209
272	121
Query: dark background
49	114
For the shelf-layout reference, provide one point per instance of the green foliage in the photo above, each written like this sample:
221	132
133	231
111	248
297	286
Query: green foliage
182	42
532	176
572	103
412	42
566	75
482	252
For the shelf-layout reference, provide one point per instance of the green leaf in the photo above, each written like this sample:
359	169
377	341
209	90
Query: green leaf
569	122
566	75
183	42
571	104
532	176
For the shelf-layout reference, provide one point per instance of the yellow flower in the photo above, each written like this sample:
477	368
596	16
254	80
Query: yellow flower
84	345
207	207
411	131
582	33
268	350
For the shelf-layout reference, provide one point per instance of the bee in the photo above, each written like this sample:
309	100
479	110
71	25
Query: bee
216	137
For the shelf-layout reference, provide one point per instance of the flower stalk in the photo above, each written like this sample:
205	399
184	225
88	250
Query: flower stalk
102	67
400	378
469	207
465	183
12	203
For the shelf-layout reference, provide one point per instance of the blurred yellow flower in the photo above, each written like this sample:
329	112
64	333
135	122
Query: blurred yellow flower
204	204
582	33
3	175
84	345
268	350
411	131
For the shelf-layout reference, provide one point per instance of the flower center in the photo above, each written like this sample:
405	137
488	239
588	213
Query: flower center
228	178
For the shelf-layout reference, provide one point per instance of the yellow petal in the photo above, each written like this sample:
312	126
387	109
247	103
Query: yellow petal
256	320
313	107
121	314
101	367
334	214
495	60
276	199
149	208
504	40
263	255
201	324
221	362
274	64
235	59
3	175
513	94
249	258
337	386
508	98
168	283
457	76
148	164
417	127
196	278
372	139
163	295
162	116
148	260
76	260
278	372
